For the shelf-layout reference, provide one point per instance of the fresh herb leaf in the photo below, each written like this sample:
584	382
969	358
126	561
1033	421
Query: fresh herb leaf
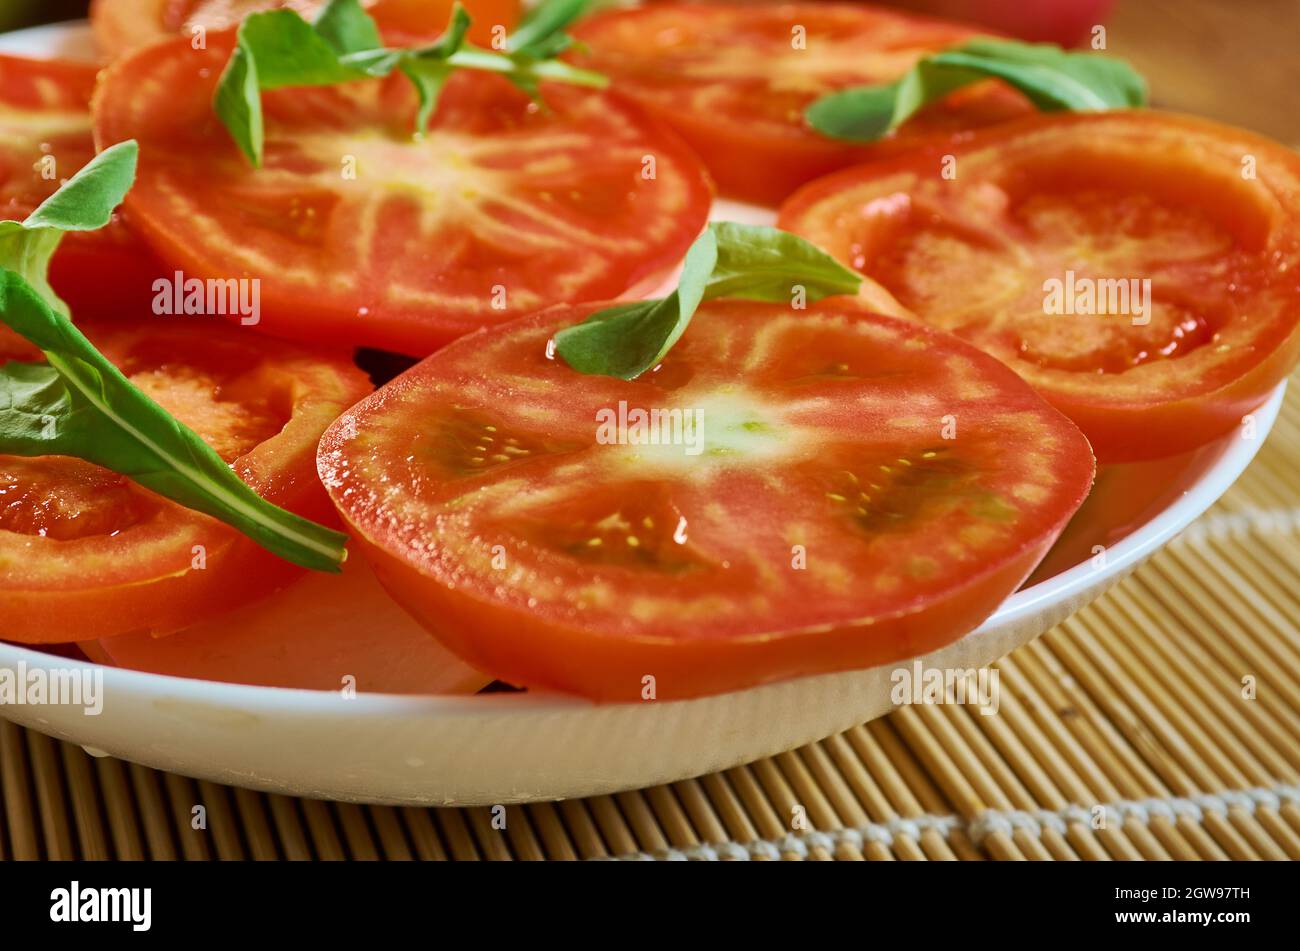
626	340
238	101
758	263
278	48
286	50
79	404
727	260
541	31
84	203
346	27
1050	77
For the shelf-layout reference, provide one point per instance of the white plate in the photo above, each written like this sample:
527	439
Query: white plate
500	748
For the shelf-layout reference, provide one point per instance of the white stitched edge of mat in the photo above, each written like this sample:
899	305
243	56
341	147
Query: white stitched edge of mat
986	823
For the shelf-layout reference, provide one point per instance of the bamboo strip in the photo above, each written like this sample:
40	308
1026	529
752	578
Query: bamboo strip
123	828
387	824
583	830
15	783
85	801
556	843
288	828
50	797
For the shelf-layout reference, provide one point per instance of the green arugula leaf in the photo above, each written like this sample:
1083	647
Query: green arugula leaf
626	340
727	260
1050	77
757	263
278	48
81	405
84	203
541	31
347	27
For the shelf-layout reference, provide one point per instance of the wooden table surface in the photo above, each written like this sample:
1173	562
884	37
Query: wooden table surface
1237	61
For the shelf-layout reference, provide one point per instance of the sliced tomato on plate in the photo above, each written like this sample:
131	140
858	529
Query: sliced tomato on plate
86	553
361	235
122	25
45	138
825	522
315	634
1047	212
735	79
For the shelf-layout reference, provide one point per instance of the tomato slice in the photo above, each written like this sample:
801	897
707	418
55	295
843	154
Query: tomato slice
735	79
502	208
86	553
123	25
826	524
1054	207
45	137
313	634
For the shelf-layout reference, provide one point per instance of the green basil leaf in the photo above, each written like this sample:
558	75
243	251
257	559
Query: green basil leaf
346	27
428	76
81	405
543	26
761	263
289	52
862	113
727	260
452	39
277	48
238	104
628	339
85	202
1050	77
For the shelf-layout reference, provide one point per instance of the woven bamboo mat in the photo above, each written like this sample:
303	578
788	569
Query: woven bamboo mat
1127	732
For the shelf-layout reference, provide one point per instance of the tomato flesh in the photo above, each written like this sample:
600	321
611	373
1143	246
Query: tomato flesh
313	635
734	80
123	25
1049	213
45	137
361	235
87	553
825	523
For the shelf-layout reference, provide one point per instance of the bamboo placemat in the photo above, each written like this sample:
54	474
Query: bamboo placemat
1126	732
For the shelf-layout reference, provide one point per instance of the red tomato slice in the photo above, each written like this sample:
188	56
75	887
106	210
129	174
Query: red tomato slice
1063	203
312	635
734	80
827	524
45	138
502	208
87	553
123	25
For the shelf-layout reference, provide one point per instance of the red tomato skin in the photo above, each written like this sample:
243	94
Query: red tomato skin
528	649
122	25
522	648
309	636
120	596
97	273
1147	432
751	164
290	312
1119	431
